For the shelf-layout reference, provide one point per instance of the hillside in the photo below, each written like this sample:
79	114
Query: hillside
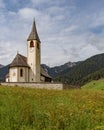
97	85
93	76
3	71
1	66
75	75
36	109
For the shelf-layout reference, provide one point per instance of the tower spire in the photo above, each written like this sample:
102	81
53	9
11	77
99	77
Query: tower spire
33	35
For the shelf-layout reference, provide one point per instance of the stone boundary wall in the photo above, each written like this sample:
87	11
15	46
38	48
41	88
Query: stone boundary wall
55	86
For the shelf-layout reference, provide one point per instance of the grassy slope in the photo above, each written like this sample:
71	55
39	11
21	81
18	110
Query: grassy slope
96	84
33	109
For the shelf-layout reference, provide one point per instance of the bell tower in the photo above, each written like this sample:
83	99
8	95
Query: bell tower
33	55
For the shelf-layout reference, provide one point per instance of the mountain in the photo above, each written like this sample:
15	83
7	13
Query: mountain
55	71
75	74
3	72
1	66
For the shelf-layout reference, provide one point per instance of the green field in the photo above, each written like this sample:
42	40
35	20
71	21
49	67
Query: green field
35	109
96	84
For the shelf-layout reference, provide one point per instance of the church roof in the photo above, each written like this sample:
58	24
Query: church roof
44	73
33	35
19	61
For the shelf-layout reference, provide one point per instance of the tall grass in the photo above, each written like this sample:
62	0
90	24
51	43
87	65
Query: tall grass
95	85
35	109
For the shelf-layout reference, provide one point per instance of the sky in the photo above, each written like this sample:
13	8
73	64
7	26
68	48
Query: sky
69	30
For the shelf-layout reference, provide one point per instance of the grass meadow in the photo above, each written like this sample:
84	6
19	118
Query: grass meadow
95	85
36	109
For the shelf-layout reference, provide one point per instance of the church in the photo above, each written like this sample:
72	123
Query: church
29	69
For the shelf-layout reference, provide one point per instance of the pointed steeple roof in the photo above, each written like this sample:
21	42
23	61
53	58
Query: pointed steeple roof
33	35
19	61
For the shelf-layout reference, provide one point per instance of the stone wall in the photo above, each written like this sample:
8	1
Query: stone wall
55	86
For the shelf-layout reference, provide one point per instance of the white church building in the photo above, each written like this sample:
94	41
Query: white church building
29	69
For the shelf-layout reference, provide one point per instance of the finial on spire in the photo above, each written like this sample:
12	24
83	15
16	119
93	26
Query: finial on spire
34	19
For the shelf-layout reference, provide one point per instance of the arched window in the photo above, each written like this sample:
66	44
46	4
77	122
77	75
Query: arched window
31	44
21	72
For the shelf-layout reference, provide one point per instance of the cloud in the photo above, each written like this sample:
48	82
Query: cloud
69	30
2	5
40	1
28	13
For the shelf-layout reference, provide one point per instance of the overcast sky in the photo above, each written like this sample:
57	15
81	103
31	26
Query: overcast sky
69	30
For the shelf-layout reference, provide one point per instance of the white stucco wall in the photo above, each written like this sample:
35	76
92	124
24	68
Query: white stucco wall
7	79
42	79
14	74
